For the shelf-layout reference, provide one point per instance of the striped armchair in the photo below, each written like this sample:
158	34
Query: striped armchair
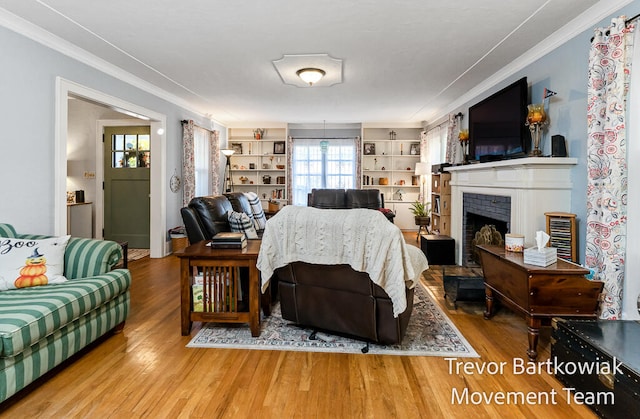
42	326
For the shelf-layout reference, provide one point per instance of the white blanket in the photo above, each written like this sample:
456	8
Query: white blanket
361	238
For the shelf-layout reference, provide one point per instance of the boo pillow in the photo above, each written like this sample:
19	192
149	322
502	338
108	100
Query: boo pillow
29	262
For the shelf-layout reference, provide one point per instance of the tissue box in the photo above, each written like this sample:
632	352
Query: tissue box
545	257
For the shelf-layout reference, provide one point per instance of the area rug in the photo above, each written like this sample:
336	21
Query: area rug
429	333
137	254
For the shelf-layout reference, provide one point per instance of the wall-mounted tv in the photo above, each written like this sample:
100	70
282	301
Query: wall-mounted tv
497	124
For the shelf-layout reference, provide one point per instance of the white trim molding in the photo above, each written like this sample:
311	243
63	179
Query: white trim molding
158	222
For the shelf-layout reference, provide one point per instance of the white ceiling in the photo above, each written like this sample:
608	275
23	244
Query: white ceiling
403	60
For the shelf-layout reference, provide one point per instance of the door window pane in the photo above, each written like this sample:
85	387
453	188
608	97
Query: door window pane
130	151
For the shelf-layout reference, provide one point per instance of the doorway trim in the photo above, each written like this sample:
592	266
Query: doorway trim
158	212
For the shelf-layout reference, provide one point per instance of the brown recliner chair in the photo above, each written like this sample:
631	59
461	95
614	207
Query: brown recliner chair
358	307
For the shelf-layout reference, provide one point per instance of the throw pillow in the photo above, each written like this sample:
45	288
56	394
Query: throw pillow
259	219
240	222
29	262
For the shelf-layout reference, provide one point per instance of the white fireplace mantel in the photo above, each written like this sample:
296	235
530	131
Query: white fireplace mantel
535	184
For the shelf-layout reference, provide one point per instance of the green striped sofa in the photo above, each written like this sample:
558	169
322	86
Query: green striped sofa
40	327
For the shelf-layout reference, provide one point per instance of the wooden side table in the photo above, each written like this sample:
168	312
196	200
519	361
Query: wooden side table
538	293
218	270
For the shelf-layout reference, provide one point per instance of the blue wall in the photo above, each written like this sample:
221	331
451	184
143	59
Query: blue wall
564	71
27	108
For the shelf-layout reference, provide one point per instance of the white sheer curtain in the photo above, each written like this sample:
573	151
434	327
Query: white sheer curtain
201	161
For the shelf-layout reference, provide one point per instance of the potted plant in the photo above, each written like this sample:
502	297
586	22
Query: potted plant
421	212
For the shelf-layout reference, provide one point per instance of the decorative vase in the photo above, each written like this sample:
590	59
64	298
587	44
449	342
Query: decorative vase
536	119
463	137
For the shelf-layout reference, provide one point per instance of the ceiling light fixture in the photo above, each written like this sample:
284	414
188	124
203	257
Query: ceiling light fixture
310	75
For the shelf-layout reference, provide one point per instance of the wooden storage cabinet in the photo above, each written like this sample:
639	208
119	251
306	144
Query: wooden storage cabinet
260	165
441	203
388	164
538	293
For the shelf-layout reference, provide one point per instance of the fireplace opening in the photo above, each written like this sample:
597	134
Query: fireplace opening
479	210
491	227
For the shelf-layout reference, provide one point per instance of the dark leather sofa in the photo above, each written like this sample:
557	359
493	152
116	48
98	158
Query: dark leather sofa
206	216
349	198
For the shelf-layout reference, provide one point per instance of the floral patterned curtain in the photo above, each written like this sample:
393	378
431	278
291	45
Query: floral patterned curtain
188	163
289	174
452	140
358	143
214	161
609	69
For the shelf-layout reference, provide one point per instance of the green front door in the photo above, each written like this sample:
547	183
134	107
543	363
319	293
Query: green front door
126	185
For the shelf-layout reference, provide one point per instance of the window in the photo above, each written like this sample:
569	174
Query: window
321	163
130	150
201	161
436	150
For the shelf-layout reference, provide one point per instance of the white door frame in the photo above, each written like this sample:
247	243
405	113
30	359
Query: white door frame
158	224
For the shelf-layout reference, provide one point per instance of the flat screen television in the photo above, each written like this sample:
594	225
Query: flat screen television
497	124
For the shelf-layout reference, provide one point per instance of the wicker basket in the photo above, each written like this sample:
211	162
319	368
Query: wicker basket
273	207
179	243
383	181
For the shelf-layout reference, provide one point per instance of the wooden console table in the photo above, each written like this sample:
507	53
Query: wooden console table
539	293
219	269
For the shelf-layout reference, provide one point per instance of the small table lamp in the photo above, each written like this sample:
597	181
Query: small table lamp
228	182
422	169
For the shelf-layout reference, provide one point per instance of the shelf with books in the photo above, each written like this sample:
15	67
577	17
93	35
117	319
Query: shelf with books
259	165
441	203
389	157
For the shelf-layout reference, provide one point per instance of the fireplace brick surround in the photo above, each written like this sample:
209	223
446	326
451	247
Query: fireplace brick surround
534	185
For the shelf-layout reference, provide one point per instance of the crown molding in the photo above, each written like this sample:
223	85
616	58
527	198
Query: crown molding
575	27
29	30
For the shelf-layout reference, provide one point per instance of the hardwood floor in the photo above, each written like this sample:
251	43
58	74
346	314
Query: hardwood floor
147	371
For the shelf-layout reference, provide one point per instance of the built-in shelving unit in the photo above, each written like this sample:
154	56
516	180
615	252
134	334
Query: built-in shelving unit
441	203
389	157
260	165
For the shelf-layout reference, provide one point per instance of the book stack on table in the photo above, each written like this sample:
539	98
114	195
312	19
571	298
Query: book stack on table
229	240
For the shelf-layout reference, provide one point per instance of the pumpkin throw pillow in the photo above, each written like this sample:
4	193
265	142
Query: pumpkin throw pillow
240	222
29	262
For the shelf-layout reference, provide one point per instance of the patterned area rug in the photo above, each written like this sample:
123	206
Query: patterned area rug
137	254
430	333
